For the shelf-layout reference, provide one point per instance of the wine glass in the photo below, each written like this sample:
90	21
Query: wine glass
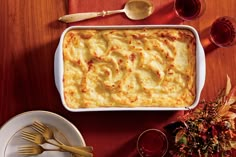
223	31
152	143
189	9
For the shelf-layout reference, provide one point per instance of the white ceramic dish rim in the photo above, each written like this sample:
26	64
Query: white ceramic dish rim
200	69
13	125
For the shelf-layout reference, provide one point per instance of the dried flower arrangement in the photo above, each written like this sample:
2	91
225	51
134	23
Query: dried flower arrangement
208	129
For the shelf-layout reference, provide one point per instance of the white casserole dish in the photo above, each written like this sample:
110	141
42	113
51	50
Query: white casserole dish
200	68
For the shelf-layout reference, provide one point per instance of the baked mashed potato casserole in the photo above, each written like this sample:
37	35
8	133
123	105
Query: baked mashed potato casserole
129	68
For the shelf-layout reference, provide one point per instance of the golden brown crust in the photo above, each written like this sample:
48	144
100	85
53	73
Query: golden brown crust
129	68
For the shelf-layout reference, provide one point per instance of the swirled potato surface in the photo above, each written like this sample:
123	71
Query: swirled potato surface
129	68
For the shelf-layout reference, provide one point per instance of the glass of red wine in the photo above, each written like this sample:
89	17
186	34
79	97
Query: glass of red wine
223	31
189	9
152	143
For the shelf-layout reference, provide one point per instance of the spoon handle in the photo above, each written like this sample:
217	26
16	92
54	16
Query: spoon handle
84	16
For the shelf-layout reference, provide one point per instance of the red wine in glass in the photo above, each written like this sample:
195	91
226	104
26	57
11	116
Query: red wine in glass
189	9
152	143
223	31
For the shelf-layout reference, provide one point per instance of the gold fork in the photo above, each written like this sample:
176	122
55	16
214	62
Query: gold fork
33	150
39	139
47	133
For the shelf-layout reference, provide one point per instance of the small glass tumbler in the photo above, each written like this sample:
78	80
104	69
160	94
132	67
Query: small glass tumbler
189	9
223	31
152	143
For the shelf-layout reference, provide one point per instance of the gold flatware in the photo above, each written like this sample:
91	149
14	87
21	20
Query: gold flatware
39	139
33	137
134	10
48	134
45	131
31	150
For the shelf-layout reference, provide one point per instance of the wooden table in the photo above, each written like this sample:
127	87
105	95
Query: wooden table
29	36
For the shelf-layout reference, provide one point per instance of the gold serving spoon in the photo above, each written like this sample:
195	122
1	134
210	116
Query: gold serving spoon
134	10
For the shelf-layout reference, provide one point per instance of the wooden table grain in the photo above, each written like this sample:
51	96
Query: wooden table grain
29	34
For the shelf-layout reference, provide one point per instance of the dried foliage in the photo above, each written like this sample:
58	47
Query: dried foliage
208	129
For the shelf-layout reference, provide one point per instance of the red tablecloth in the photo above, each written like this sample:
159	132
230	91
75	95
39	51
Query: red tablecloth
163	14
114	134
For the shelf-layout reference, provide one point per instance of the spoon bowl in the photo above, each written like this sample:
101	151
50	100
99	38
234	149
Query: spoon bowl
133	9
138	9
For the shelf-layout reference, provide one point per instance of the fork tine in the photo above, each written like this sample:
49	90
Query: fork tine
31	140
27	135
37	129
32	137
44	130
24	149
28	139
40	125
26	153
29	150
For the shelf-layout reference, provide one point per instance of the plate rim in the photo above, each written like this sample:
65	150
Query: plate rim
10	121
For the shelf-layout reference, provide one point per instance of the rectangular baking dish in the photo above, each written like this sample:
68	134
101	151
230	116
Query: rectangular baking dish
200	68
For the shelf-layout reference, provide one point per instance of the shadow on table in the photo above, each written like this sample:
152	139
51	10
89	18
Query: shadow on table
114	134
164	15
128	149
206	42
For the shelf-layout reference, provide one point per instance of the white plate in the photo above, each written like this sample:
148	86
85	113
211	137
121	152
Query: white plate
11	139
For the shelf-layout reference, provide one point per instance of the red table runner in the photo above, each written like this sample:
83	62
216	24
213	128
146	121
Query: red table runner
119	135
163	13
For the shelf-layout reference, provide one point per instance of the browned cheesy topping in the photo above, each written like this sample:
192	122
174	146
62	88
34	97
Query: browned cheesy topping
129	68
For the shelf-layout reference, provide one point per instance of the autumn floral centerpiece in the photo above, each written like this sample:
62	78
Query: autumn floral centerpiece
209	129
